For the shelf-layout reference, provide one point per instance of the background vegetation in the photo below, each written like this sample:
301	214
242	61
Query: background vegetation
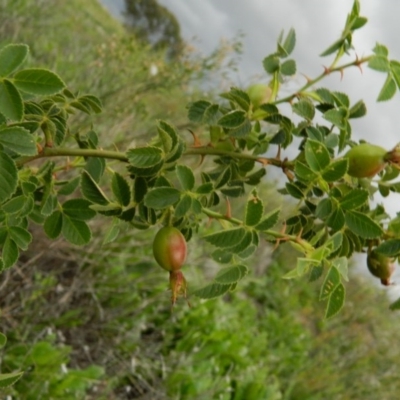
95	323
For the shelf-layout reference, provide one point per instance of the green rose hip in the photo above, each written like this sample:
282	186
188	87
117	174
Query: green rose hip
169	248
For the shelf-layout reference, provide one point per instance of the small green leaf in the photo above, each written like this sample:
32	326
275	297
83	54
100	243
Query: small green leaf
91	190
78	209
335	301
185	176
10	252
232	119
183	206
341	264
362	225
18	140
38	81
337	116
303	172
229	275
304	108
379	63
95	166
212	290
389	248
76	232
197	110
14	205
335	170
333	48
227	238
269	220
271	63
112	233
9	379
254	210
358	110
317	155
288	68
12	56
8	177
336	219
53	225
332	280
121	189
20	236
144	157
161	197
354	199
11	104
388	90
168	136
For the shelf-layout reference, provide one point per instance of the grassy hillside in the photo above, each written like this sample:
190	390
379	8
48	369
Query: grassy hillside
95	323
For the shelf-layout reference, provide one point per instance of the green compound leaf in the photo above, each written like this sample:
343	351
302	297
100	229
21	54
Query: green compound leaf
185	176
231	274
12	56
389	248
38	81
254	209
121	190
225	239
18	140
332	280
232	119
362	225
76	232
354	199
8	177
212	290
162	197
9	379
335	170
91	190
317	155
335	301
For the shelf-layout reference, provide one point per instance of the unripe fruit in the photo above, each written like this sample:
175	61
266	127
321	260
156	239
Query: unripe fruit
169	248
366	160
380	266
259	94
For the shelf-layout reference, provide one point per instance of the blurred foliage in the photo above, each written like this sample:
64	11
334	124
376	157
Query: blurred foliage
95	324
155	24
